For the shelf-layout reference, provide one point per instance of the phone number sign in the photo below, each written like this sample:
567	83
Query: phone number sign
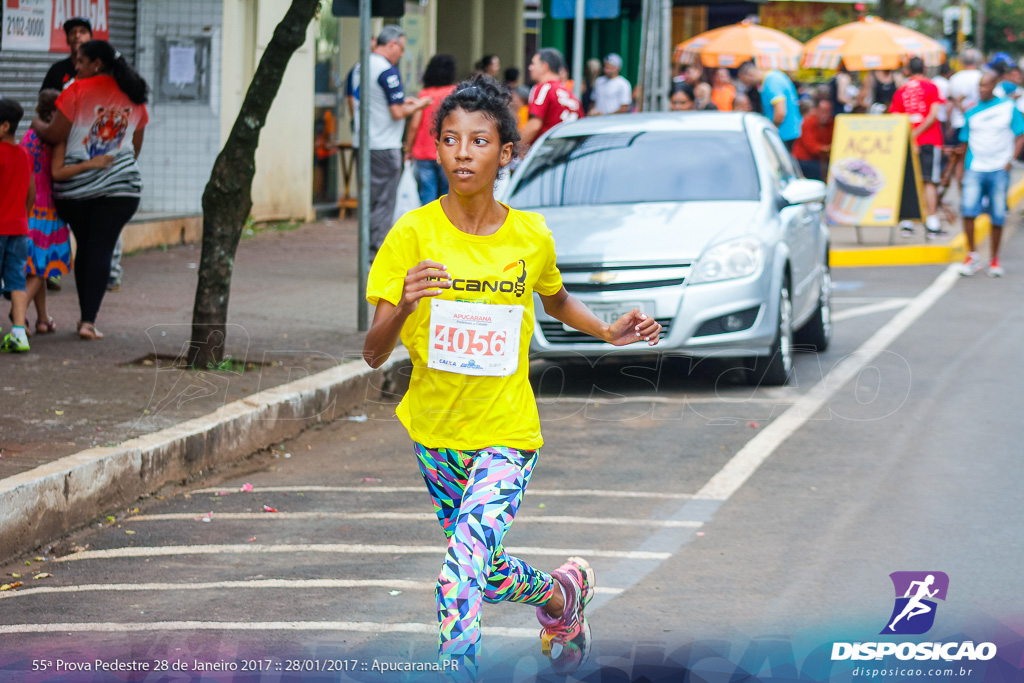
38	25
26	25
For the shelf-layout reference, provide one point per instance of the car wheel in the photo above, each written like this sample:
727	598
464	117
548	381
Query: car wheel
817	333
774	370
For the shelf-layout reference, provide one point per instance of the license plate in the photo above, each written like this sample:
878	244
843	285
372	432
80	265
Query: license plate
611	312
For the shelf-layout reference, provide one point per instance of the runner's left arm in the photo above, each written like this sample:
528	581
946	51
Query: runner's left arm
628	329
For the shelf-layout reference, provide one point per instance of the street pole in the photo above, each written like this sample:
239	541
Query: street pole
664	86
363	251
577	47
642	72
979	31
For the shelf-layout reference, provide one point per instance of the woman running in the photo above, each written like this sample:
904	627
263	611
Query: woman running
455	281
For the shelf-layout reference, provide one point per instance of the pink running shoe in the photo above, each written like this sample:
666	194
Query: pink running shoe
566	640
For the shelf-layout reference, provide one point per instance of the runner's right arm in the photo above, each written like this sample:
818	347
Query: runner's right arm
425	279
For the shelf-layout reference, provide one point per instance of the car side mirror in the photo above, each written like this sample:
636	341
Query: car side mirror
804	191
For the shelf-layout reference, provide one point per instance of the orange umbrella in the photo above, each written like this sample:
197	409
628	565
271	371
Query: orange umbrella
730	46
870	43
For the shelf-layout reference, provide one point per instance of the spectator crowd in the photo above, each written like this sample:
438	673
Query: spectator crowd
75	170
937	104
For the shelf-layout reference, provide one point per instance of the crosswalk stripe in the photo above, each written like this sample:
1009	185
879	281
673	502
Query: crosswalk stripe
405	516
362	626
869	309
258	584
588	493
355	549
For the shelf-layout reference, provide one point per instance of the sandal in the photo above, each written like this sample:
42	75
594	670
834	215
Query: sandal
46	326
88	331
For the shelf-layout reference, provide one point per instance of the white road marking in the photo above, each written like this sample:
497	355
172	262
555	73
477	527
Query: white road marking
589	493
258	584
869	309
746	461
670	400
361	626
404	516
868	299
354	549
718	489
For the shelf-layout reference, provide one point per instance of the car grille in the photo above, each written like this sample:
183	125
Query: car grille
592	278
555	333
591	287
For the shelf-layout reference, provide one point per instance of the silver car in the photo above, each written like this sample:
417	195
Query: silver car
702	220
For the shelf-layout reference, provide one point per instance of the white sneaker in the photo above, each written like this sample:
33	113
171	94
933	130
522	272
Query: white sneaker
971	265
994	269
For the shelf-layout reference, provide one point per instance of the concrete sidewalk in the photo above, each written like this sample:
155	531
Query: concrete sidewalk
90	426
292	313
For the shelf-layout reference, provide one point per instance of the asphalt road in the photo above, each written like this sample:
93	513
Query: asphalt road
729	526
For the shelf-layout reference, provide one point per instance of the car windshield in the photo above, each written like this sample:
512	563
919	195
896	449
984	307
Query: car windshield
616	168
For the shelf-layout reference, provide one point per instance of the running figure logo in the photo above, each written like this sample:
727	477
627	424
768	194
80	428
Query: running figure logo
914	611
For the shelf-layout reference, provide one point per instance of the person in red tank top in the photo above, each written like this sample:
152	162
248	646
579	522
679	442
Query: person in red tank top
551	102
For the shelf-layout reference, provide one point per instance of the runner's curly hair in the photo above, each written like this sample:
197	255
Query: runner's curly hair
483	94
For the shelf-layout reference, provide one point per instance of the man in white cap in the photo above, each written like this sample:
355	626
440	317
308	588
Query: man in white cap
612	92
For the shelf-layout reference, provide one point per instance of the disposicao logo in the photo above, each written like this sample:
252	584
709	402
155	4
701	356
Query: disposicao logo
916	592
914	614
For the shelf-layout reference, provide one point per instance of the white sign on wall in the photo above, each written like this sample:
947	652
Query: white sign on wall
26	25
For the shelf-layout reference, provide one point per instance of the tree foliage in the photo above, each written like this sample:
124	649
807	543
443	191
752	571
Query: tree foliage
1004	26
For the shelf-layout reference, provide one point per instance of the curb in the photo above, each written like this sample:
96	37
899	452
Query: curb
956	250
44	503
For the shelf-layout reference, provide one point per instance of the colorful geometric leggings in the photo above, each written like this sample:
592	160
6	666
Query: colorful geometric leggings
476	495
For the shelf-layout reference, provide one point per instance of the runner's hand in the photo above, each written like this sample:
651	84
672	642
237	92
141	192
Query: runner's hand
427	278
633	327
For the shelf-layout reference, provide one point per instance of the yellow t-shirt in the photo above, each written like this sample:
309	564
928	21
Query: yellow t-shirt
445	409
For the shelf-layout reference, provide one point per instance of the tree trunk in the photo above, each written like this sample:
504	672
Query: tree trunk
227	199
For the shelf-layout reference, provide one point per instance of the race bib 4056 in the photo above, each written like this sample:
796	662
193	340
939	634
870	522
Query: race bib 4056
474	339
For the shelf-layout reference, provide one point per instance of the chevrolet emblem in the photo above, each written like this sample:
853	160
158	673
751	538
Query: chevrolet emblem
603	277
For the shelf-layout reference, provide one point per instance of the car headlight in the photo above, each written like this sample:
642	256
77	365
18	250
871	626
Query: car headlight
736	258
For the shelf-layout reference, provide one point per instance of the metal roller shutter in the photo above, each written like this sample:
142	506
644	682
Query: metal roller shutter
21	73
121	17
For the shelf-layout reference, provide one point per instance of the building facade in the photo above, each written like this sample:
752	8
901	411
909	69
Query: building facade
198	56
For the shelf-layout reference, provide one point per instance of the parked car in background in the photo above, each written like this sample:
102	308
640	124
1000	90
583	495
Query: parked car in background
701	220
